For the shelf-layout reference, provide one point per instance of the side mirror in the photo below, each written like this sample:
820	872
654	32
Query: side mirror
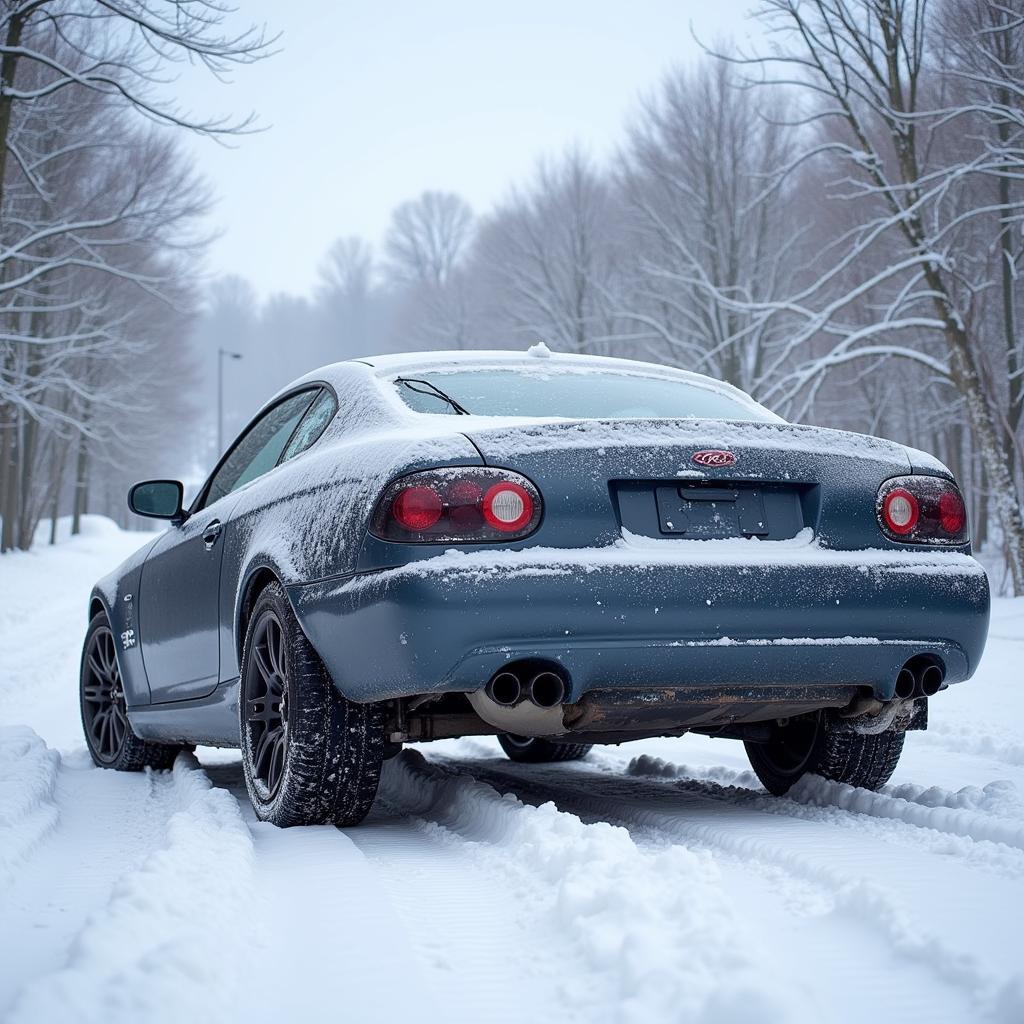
158	499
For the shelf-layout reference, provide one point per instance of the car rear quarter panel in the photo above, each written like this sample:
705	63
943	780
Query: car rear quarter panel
306	521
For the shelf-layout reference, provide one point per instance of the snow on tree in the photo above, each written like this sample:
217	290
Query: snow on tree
548	262
884	126
697	180
98	232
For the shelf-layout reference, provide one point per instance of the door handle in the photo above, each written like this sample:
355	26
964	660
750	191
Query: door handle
211	533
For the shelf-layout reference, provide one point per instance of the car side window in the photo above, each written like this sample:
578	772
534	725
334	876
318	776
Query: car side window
259	448
313	424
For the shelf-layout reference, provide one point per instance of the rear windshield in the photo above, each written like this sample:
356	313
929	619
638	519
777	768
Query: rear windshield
595	394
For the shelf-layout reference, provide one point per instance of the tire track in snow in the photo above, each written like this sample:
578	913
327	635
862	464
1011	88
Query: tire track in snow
931	818
644	934
28	812
719	822
146	925
106	821
475	935
325	925
988	744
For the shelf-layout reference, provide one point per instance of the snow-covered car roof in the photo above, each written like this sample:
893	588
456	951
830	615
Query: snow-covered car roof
538	358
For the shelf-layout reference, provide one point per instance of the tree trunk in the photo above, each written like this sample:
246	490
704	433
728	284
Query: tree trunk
8	70
6	482
979	532
54	510
81	499
10	485
26	519
1008	220
966	377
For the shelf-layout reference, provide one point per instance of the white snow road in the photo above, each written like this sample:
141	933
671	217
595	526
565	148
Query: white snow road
653	882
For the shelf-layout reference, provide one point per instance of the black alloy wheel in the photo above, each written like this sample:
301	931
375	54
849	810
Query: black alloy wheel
310	756
819	744
109	735
104	712
793	745
266	705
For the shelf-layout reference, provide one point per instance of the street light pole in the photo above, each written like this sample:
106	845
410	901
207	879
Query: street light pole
221	353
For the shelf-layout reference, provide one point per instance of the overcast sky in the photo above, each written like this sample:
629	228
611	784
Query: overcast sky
368	104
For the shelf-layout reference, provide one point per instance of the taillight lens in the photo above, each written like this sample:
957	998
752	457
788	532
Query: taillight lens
900	511
952	513
507	506
457	504
922	510
417	508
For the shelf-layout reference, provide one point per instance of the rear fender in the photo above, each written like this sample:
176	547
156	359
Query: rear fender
116	596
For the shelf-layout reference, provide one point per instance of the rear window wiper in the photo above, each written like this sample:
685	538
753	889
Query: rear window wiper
432	390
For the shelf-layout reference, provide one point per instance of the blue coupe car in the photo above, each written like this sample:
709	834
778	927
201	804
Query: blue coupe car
559	550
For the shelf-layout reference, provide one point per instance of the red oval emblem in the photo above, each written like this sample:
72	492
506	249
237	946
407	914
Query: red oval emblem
714	457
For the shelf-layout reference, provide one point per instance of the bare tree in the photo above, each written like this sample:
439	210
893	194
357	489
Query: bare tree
981	48
880	116
119	49
427	237
91	204
550	258
699	182
347	270
73	341
344	290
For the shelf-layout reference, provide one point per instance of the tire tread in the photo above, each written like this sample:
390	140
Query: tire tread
541	751
336	746
858	759
839	754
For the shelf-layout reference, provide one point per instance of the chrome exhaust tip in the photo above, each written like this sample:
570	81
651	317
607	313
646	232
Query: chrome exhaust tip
906	684
505	689
930	680
546	689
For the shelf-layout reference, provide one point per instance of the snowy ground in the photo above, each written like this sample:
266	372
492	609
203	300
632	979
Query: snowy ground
654	882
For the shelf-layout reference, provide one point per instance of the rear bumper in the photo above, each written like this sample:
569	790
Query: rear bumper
622	619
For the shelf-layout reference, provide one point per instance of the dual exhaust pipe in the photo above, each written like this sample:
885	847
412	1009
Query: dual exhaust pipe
543	688
919	677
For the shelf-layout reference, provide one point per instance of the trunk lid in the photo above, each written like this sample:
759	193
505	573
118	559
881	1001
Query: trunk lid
605	479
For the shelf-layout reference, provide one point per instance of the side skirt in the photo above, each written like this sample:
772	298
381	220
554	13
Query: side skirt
210	721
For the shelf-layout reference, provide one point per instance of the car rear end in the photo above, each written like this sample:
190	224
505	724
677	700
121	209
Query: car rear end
607	578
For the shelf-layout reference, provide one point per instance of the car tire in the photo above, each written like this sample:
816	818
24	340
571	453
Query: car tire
818	745
310	756
531	750
109	735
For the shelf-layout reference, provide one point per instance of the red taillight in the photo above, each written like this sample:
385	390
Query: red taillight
952	514
457	503
507	507
417	508
900	510
464	500
923	510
